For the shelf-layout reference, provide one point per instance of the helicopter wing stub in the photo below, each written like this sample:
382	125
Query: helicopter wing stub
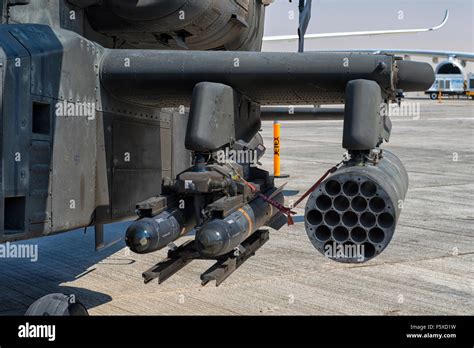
167	78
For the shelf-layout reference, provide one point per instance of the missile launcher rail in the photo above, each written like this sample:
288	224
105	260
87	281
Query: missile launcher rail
225	265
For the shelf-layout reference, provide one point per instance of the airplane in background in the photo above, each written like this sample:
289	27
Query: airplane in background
451	69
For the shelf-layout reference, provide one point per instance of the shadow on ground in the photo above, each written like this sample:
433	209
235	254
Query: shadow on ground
61	259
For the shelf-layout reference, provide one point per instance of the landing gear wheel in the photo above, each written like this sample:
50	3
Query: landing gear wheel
434	96
57	305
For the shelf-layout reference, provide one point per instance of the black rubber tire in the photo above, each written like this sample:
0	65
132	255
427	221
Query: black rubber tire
56	305
434	96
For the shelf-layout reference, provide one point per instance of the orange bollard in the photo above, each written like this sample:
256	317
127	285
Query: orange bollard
276	151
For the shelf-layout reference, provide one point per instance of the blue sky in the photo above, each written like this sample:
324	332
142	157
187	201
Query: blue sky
356	15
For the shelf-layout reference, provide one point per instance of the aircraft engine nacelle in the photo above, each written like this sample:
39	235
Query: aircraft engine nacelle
180	24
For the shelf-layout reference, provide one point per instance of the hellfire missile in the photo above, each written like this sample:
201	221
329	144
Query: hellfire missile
151	234
220	236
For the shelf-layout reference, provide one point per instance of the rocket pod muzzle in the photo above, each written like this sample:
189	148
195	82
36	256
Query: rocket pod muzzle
352	215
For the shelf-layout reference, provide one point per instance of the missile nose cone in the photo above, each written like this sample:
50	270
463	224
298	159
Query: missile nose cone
209	240
414	76
139	237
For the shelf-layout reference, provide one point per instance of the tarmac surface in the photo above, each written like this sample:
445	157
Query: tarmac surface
427	269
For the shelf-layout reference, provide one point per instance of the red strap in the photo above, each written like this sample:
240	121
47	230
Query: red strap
317	183
285	210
